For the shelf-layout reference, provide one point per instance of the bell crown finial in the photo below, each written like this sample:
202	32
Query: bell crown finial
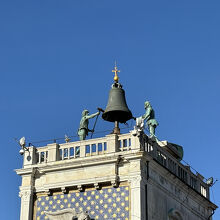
116	71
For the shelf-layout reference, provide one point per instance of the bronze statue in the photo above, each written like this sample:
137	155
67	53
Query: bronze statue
149	116
84	122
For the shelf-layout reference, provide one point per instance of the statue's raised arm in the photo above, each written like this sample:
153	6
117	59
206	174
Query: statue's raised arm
84	123
92	116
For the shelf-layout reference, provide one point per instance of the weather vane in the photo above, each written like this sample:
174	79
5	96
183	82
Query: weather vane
116	71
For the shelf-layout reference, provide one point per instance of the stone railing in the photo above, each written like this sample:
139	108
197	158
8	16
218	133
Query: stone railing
195	181
65	151
125	142
115	143
83	149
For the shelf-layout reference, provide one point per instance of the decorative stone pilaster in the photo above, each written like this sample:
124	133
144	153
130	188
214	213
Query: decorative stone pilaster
135	142
82	149
53	152
138	204
26	194
29	156
112	143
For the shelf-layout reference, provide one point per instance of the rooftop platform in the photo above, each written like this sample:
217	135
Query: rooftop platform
111	146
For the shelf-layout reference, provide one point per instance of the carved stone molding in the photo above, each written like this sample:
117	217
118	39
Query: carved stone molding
25	195
135	181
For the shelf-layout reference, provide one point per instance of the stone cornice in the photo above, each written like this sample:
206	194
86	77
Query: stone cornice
81	162
89	181
26	171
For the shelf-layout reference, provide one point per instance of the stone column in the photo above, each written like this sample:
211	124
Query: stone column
26	194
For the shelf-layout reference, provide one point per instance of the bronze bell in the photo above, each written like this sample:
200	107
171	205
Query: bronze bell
117	109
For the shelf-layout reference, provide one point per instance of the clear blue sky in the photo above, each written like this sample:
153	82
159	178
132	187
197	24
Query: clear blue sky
56	59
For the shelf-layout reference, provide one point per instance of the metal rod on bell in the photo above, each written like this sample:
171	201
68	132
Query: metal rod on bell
116	128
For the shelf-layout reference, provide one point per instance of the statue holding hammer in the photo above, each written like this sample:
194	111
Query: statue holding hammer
84	122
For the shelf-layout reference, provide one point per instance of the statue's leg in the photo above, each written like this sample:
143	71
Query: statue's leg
152	130
81	137
82	134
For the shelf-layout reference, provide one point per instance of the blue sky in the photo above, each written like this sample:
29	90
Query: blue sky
56	59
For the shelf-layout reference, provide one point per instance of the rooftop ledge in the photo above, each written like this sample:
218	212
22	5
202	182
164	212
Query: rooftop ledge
112	145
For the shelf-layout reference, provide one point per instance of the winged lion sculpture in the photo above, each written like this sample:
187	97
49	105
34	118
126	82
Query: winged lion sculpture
67	214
